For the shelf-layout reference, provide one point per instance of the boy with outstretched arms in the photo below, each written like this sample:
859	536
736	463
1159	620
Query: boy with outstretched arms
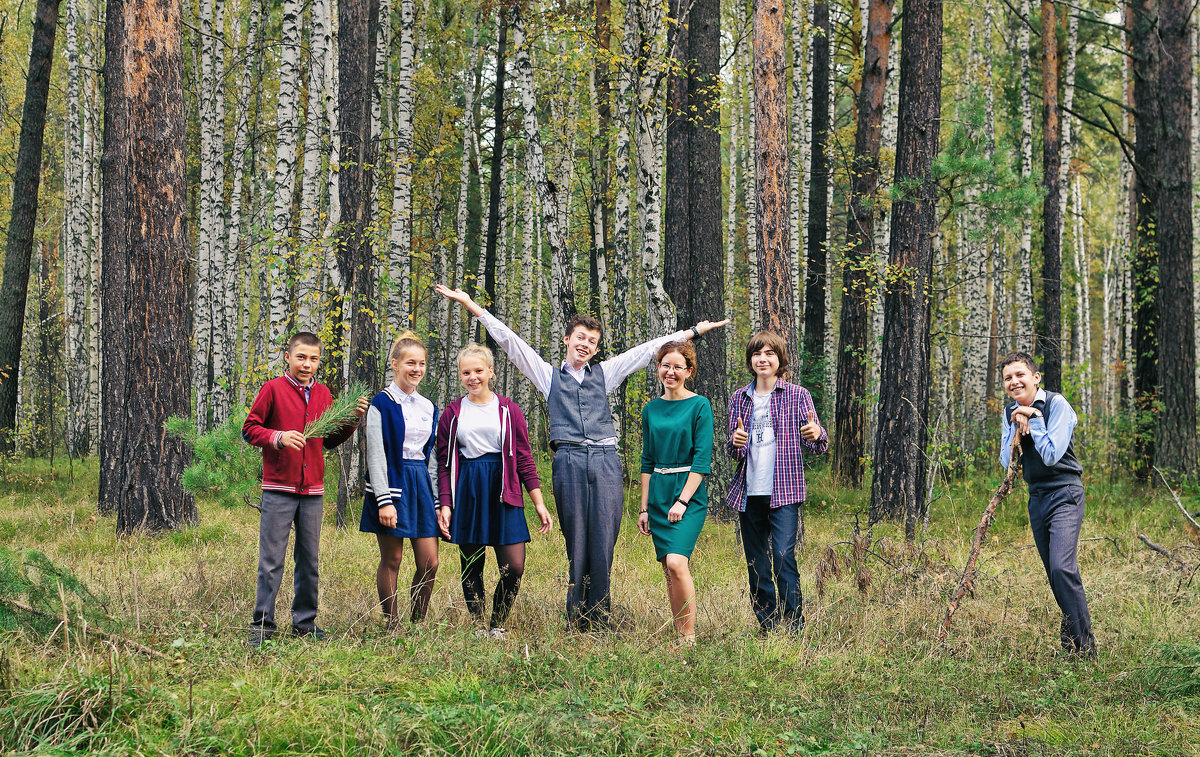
1046	422
586	471
293	483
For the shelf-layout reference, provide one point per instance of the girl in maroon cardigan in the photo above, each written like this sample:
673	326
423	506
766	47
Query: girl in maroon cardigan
483	460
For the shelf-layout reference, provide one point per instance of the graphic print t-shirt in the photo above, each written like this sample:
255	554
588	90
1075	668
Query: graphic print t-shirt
760	453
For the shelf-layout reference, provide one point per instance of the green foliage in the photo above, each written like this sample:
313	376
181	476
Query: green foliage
223	464
339	414
31	578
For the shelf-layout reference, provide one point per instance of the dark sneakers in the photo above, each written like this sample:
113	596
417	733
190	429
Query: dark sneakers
316	633
258	637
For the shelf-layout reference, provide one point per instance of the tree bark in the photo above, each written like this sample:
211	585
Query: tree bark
495	188
816	278
770	117
858	278
23	214
898	486
357	20
1050	334
1144	270
1175	437
147	319
76	238
287	120
1024	274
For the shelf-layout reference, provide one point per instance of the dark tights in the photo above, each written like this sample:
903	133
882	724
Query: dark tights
511	559
425	554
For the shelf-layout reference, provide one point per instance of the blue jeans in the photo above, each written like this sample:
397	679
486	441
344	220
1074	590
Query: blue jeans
1055	516
769	538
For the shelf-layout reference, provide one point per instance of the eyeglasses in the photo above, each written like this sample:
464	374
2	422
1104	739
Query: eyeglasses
675	368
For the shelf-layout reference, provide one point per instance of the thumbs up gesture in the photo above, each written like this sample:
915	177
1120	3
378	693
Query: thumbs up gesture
740	437
811	431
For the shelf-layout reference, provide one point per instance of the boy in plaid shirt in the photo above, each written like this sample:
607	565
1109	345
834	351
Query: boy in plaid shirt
772	423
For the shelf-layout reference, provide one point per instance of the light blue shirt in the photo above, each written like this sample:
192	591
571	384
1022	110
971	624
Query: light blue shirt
1050	441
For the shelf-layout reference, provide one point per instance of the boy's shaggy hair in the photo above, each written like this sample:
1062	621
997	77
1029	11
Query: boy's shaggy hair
768	339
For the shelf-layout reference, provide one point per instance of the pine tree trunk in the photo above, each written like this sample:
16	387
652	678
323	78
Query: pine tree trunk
147	314
849	449
356	60
1050	334
898	485
816	279
1144	270
1175	435
23	213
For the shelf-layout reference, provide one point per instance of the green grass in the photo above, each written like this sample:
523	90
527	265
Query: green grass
866	677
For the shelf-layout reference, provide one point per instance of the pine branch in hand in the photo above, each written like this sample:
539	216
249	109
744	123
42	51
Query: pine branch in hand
339	414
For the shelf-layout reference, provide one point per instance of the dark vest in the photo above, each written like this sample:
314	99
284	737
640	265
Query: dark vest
1037	474
579	412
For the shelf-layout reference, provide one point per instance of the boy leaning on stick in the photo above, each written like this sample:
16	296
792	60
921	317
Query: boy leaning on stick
293	483
1046	422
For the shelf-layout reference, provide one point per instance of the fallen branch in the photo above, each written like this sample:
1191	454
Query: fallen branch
1161	550
110	637
1178	503
967	582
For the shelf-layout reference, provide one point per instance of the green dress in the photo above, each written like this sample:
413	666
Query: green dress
676	434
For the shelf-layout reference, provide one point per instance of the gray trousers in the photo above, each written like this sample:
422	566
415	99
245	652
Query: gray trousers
1056	517
590	500
279	513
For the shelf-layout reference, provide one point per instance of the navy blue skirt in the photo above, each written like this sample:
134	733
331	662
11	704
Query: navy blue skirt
479	517
416	511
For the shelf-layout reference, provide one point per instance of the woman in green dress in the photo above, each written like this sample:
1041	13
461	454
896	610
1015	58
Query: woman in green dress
677	442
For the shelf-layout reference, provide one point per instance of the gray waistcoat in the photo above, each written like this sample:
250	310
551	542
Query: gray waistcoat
579	412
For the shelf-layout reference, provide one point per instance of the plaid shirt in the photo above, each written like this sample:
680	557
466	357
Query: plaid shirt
790	406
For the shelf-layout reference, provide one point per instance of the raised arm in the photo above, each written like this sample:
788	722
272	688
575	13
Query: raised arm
619	367
519	351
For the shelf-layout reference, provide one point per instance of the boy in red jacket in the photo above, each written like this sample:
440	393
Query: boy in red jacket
293	483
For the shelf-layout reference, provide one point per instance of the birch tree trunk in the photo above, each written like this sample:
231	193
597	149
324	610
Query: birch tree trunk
798	137
464	183
816	280
75	241
1083	315
399	312
210	328
548	198
312	235
286	120
1024	274
752	251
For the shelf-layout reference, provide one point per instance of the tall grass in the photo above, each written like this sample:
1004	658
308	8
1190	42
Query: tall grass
865	677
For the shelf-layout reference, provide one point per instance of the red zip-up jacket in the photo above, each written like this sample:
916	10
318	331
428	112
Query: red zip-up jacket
279	407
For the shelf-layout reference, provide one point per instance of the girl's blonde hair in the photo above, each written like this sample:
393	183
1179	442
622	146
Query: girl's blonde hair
481	351
407	340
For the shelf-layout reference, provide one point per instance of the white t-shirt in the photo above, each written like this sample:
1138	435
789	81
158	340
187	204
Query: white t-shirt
479	427
760	450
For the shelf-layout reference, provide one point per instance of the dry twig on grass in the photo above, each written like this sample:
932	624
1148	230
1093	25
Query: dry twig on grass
967	582
1178	503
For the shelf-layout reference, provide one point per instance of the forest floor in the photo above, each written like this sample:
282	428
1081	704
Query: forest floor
867	675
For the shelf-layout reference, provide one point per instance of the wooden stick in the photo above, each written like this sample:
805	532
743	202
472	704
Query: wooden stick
967	582
1178	504
115	638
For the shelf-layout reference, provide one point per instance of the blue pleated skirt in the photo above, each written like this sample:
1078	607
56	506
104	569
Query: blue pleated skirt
479	516
416	511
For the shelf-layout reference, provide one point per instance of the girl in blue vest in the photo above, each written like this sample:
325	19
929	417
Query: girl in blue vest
401	499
